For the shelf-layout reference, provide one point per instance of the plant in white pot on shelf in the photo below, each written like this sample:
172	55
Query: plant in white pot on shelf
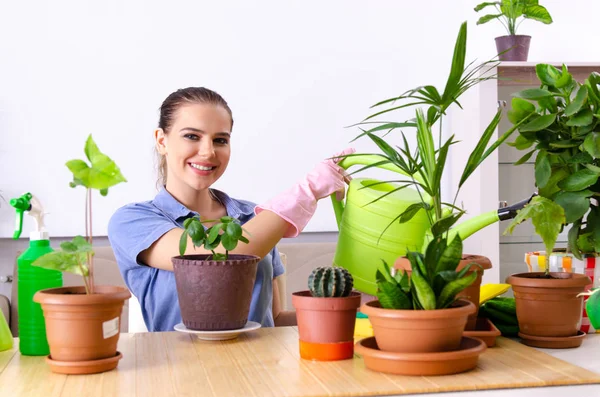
564	136
82	323
513	47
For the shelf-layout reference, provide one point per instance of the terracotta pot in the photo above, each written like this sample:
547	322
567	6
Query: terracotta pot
472	292
418	331
215	295
518	44
326	325
548	307
82	327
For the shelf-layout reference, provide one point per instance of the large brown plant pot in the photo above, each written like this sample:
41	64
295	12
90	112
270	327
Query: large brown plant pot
418	331
326	325
81	327
517	46
215	295
472	292
549	306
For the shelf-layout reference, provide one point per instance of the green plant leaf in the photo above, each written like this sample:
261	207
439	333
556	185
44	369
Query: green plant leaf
524	159
583	118
445	223
583	157
481	6
569	143
520	110
183	243
558	174
450	290
547	74
578	101
412	210
543	170
458	66
64	262
572	239
565	78
538	123
521	143
451	256
575	204
537	13
534	93
547	218
487	18
391	296
229	243
244	240
234	230
580	180
213	232
548	103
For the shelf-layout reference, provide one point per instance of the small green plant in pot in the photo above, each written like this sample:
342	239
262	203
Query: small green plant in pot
564	135
82	323
214	290
513	47
326	315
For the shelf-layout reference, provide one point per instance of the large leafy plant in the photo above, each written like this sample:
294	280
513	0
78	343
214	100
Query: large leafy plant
508	13
77	256
425	164
563	132
226	232
433	282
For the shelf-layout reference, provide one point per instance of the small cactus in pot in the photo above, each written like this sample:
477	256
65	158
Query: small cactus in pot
326	315
330	282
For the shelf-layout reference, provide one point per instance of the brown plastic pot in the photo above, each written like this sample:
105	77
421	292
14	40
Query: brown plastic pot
517	46
472	292
549	307
418	331
215	295
82	327
326	325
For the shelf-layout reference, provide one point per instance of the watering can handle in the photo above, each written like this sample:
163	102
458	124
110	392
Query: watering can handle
362	159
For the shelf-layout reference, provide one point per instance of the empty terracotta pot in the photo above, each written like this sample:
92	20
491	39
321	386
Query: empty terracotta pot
82	327
418	331
517	46
470	293
326	325
214	295
549	306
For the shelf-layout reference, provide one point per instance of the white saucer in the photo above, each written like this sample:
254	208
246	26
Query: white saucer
219	335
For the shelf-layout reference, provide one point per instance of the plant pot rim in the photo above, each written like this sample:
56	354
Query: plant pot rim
560	280
76	295
303	300
200	259
463	307
513	35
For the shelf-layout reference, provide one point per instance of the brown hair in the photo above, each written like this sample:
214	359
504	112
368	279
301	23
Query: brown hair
171	105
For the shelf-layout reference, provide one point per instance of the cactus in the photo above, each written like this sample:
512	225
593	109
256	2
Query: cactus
330	282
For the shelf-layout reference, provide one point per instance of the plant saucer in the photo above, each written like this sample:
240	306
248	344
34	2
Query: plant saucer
424	364
485	330
219	335
84	367
553	342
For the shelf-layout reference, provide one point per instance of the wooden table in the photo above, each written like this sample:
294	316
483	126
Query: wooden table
266	362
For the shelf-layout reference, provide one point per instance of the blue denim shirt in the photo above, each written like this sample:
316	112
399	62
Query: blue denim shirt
135	227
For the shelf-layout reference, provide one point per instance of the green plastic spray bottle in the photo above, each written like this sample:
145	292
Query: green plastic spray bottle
30	279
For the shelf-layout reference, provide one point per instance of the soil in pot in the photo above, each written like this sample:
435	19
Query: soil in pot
326	325
82	327
214	295
549	307
472	292
517	46
419	331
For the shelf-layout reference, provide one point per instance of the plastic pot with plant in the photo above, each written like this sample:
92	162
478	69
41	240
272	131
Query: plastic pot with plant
214	290
513	47
83	323
326	315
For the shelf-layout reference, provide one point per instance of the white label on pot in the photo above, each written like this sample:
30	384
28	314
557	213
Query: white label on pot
110	327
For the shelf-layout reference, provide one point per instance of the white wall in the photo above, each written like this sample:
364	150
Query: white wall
295	74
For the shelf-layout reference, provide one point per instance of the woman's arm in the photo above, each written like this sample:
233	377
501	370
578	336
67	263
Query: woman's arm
264	232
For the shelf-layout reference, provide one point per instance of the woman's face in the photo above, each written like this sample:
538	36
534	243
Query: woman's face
197	146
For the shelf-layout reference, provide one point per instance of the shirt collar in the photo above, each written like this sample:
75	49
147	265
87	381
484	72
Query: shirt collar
169	204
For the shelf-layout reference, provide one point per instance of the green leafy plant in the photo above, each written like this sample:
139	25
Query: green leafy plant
77	256
226	232
563	132
433	282
508	13
425	164
330	282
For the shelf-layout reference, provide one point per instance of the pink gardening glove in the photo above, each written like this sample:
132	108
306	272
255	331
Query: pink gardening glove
298	204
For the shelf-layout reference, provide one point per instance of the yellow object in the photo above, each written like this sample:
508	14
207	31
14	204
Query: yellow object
363	328
489	291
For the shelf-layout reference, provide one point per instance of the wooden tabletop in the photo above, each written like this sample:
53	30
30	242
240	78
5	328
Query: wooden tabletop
266	362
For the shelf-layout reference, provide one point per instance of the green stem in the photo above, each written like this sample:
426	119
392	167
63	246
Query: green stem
85	281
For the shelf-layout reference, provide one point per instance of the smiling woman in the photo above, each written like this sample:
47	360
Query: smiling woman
193	141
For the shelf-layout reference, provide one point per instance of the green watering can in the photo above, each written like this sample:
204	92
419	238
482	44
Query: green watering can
361	245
